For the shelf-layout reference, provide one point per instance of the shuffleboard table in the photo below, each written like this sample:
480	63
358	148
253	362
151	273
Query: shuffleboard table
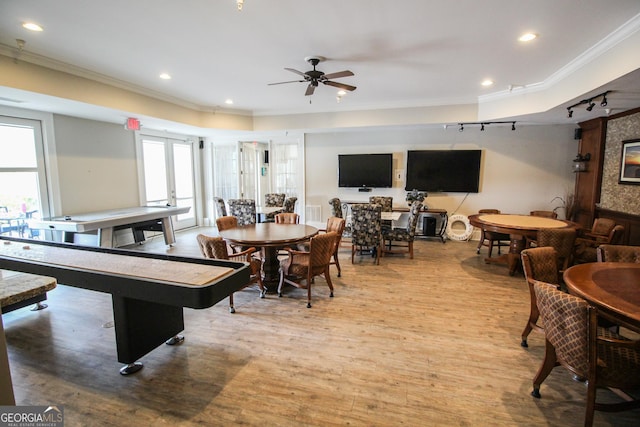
149	291
104	223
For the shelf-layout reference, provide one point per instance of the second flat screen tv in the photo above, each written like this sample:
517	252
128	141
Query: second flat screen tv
365	170
455	171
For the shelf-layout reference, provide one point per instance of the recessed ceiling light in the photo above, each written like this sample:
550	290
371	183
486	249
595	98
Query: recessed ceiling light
165	76
487	82
342	93
527	37
32	26
228	101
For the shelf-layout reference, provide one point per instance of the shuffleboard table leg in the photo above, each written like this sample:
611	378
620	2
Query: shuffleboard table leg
131	368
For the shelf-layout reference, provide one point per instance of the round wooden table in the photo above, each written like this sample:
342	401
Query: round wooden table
613	287
519	227
269	236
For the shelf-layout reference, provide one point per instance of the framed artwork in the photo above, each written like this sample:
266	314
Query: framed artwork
630	162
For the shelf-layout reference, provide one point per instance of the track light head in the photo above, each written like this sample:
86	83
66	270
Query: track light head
603	103
591	105
481	126
513	126
461	127
569	113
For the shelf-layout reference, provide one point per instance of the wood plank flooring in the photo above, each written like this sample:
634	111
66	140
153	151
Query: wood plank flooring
433	341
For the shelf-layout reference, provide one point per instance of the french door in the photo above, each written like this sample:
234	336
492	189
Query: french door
168	176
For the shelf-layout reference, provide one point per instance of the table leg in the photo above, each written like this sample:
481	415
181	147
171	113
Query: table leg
270	268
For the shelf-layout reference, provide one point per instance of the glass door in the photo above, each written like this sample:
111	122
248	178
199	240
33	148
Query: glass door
23	189
169	176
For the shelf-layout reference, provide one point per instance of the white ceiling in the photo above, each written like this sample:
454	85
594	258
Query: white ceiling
404	53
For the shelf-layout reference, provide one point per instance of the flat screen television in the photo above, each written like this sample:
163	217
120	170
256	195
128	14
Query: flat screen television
455	171
365	170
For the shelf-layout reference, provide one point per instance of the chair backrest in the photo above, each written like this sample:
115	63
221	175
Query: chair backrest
366	224
244	210
384	201
566	324
274	199
563	240
212	247
618	253
336	207
540	264
226	222
616	234
489	211
290	204
544	214
221	209
336	225
414	214
321	248
602	226
287	218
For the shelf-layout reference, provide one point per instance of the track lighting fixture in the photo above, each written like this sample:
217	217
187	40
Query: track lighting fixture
589	103
482	125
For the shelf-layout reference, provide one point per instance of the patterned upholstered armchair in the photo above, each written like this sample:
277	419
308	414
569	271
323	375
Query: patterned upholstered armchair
244	210
301	267
539	264
221	209
618	253
290	204
366	229
385	202
563	240
574	341
273	200
216	247
402	237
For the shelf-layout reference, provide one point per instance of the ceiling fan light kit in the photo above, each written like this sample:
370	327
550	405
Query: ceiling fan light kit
313	77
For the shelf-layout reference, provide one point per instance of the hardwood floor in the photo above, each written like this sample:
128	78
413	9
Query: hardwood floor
433	341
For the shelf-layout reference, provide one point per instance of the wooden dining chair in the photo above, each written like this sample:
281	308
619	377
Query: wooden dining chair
491	239
539	264
300	267
574	341
544	214
287	218
216	247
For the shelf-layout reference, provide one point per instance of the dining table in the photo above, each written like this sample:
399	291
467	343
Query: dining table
519	228
270	237
612	287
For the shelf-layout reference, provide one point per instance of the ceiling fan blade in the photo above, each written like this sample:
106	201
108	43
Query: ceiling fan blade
345	73
340	85
310	90
281	83
296	71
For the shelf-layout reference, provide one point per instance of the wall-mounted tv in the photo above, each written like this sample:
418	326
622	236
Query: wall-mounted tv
455	171
365	170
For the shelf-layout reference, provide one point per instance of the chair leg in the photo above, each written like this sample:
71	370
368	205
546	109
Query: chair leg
327	277
263	291
309	282
280	283
550	361
335	258
480	242
353	252
411	249
533	319
491	247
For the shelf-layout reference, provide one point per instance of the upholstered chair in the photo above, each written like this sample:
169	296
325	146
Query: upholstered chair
563	240
539	264
216	247
300	267
366	231
544	214
273	200
336	225
618	253
586	246
226	222
221	209
290	204
574	341
402	238
244	210
385	202
287	218
490	238
336	207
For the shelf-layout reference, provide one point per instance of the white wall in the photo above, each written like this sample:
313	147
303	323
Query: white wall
521	170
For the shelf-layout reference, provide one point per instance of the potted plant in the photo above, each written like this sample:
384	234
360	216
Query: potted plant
569	204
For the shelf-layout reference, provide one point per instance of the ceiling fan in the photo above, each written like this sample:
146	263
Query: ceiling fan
313	77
